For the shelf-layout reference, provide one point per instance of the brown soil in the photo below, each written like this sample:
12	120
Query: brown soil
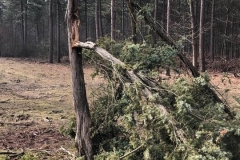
36	99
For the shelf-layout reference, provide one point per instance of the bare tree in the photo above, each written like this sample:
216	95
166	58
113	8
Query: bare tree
133	21
83	120
100	19
155	19
86	19
212	31
50	31
168	28
168	16
22	23
112	19
123	18
201	44
58	32
97	19
25	25
194	33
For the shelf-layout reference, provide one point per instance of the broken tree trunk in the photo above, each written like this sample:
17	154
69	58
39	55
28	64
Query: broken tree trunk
83	120
136	78
157	27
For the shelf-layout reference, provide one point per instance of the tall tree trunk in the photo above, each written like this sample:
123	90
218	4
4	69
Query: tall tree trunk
168	16
155	20
1	33
100	18
112	19
25	26
163	14
83	120
201	42
50	31
37	30
231	40
123	18
133	21
194	33
97	19
225	43
212	31
168	29
58	32
22	23
86	20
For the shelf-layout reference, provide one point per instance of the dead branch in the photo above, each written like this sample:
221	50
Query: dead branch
12	154
5	101
68	152
131	152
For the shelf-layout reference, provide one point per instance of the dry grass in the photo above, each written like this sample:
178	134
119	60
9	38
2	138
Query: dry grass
35	100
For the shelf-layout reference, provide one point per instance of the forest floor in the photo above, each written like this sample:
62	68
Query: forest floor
36	99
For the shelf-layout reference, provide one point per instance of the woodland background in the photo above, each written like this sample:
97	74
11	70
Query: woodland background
28	29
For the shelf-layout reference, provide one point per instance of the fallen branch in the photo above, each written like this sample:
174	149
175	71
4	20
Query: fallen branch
135	78
68	152
12	154
131	152
5	101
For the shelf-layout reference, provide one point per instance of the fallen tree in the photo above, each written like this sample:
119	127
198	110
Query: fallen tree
136	78
107	56
176	129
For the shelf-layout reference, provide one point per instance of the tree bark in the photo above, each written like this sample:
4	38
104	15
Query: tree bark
123	18
231	40
0	33
100	19
86	20
97	19
112	19
50	31
163	14
22	23
155	20
168	16
212	31
83	120
201	42
132	14
25	26
58	32
194	33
